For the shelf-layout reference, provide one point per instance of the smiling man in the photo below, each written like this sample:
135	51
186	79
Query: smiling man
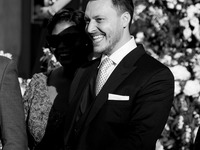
107	27
122	100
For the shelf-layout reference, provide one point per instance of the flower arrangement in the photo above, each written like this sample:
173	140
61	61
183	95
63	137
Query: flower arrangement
170	31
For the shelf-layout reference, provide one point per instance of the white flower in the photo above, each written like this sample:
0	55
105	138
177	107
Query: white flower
158	16
180	122
194	21
166	60
180	72
187	32
192	88
177	88
196	115
178	7
181	1
196	69
139	37
184	22
140	8
196	32
188	134
46	50
152	1
178	55
189	50
192	10
8	55
174	62
171	3
197	5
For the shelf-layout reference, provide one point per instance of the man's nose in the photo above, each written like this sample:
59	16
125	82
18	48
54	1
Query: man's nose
91	27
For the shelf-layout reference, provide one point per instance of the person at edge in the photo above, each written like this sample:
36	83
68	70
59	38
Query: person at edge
13	134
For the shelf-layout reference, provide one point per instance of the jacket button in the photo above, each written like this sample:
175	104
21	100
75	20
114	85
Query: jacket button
76	131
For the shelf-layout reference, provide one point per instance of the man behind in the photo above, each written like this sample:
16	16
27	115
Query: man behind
12	121
130	110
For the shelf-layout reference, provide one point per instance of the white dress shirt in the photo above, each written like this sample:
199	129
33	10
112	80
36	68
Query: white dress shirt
119	54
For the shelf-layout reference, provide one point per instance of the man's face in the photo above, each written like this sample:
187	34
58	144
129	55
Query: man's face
104	26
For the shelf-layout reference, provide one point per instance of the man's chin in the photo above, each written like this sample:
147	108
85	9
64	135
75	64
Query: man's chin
98	50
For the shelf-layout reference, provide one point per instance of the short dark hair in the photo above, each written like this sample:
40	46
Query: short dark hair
123	6
67	15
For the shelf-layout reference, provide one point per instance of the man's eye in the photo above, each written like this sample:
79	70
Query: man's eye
99	19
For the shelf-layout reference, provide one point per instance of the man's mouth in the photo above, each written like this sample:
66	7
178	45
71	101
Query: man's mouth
97	39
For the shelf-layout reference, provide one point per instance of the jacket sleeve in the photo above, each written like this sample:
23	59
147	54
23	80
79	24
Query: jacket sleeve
12	120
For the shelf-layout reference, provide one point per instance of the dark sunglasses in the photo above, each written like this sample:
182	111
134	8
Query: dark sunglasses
68	37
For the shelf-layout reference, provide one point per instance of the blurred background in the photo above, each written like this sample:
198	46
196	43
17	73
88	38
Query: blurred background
168	29
15	30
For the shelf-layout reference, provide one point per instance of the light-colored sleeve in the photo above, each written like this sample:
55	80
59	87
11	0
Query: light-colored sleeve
12	120
37	105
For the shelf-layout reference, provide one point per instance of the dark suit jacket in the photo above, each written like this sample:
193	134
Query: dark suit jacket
133	124
12	120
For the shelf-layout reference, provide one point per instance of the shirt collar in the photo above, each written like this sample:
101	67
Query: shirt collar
118	55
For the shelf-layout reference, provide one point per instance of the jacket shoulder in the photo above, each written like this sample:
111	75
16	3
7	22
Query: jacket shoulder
151	65
150	62
4	61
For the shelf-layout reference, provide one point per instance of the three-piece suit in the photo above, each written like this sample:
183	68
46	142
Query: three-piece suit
130	111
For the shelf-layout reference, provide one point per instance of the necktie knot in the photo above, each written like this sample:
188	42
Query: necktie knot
103	75
105	64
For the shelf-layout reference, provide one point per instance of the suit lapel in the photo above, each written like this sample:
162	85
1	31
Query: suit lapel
84	74
121	72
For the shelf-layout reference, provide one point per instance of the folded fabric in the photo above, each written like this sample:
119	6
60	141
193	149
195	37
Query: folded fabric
117	97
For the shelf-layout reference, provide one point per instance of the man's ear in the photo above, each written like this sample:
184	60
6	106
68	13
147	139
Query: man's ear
126	18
